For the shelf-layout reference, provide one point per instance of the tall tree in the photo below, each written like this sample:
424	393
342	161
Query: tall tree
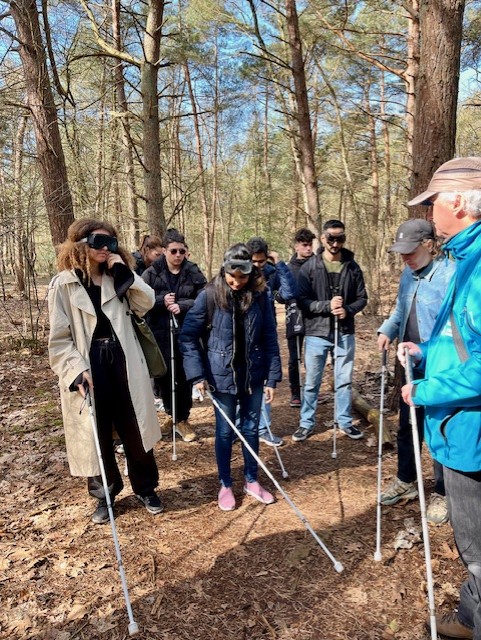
51	160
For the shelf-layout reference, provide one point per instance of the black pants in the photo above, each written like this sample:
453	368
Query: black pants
293	364
114	410
405	448
183	389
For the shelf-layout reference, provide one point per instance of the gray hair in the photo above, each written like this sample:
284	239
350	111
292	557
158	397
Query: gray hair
472	200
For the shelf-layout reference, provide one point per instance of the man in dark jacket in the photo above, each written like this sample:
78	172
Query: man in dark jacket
176	282
281	287
331	292
294	319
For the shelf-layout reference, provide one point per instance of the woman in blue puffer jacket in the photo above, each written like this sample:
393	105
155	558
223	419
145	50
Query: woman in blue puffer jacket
233	317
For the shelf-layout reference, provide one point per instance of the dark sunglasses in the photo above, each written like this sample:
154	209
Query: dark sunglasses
340	239
242	267
175	251
100	240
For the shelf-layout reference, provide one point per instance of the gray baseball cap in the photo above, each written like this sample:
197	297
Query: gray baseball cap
410	235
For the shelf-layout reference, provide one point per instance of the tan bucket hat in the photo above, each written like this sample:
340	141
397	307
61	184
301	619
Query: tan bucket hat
460	174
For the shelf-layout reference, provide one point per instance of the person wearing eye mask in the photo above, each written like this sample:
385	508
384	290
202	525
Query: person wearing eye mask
92	344
177	283
330	286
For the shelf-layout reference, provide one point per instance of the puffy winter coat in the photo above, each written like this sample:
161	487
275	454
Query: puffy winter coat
190	282
451	387
72	325
216	365
428	289
315	295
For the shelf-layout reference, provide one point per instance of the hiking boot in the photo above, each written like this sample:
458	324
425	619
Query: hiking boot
270	439
225	499
185	431
166	427
301	434
152	503
295	402
450	626
398	490
101	513
437	511
255	490
352	432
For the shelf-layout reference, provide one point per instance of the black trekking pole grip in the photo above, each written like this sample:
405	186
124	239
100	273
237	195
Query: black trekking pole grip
384	357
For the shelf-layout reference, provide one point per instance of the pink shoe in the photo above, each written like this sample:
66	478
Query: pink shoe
225	499
255	490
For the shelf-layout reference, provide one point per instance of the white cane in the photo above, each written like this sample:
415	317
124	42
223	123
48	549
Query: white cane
298	354
377	553
334	362
173	325
276	449
133	626
337	565
422	502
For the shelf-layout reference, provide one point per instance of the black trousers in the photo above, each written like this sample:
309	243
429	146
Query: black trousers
293	364
183	389
114	410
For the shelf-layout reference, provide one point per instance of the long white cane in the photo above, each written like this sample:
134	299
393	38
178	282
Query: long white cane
173	326
337	565
334	370
377	553
422	503
133	626
276	449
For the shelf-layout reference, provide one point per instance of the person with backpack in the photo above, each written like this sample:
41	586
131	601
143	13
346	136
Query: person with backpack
177	283
229	344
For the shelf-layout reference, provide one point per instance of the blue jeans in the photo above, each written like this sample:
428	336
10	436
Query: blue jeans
248	409
315	356
463	491
265	417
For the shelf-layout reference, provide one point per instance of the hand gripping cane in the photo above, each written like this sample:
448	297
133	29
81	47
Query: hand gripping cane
422	503
133	626
337	565
377	553
173	326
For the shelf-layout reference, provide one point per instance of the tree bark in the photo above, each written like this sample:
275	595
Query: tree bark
436	90
306	146
53	170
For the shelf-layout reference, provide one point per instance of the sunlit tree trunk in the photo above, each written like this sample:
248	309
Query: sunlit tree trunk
51	160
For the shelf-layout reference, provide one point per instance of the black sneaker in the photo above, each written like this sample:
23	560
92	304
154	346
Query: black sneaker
301	434
152	503
353	433
101	513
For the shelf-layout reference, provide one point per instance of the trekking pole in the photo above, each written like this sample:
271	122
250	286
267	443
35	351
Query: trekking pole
173	326
276	449
337	565
377	553
334	362
133	626
422	502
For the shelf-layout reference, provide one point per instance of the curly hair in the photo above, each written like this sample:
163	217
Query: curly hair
255	284
74	254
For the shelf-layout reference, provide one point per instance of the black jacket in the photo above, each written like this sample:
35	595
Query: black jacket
191	281
315	295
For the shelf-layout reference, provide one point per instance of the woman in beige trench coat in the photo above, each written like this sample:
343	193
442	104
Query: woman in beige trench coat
92	342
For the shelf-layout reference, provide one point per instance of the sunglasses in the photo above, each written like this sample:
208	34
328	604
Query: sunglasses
100	240
175	251
242	266
340	239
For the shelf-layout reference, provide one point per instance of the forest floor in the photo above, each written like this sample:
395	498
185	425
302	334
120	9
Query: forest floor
195	572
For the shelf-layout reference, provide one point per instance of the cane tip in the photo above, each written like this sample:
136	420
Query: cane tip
285	474
338	567
133	629
333	454
174	457
378	556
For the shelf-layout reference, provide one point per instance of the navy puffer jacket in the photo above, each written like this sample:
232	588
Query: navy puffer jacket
216	366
